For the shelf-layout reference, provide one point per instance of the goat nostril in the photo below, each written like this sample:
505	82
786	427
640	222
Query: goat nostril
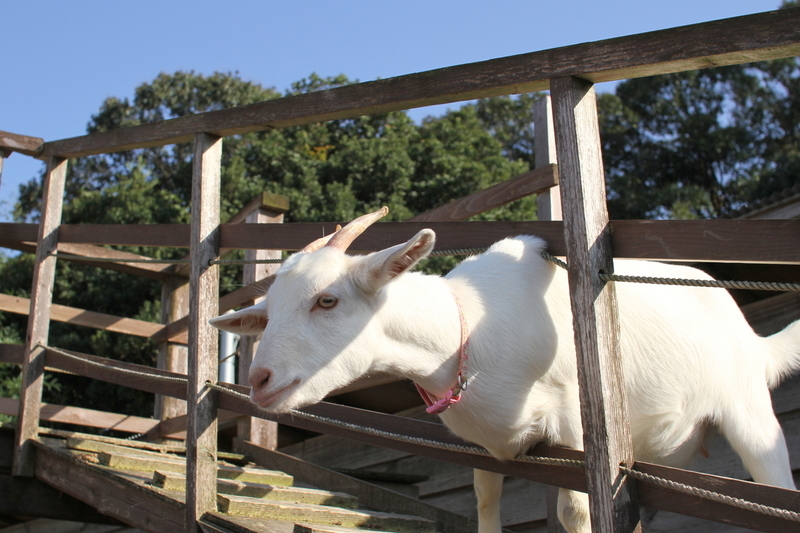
259	378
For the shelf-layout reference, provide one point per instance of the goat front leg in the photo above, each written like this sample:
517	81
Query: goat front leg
488	489
573	511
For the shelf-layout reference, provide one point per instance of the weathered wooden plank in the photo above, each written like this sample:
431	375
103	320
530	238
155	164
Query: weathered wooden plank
604	407
548	207
120	373
29	497
84	417
771	315
242	505
12	353
268	211
544	146
158	271
171	235
533	182
24	144
736	40
173	481
748	241
172	355
81	317
110	495
39	315
15	231
201	434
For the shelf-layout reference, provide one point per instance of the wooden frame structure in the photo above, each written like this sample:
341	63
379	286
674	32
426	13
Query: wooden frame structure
586	236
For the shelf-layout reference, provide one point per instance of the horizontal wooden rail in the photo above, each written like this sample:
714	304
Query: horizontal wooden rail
85	417
91	319
572	477
533	182
13	142
745	39
727	241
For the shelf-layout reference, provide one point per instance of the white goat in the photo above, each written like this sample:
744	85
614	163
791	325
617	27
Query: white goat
690	359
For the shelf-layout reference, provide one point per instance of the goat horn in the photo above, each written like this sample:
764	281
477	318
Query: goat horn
319	243
344	238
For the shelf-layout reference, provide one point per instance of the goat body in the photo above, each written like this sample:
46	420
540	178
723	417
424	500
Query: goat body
690	359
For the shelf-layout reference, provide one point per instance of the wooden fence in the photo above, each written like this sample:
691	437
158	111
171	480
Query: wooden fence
586	237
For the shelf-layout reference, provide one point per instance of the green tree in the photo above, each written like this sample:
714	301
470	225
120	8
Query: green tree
331	171
704	143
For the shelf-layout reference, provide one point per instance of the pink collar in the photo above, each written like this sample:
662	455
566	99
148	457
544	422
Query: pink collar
437	406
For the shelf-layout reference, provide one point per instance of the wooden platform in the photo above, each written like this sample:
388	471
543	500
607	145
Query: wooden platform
142	486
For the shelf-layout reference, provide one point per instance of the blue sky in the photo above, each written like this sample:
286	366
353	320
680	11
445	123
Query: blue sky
62	59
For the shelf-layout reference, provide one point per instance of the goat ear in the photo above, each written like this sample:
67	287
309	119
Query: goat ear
382	267
248	321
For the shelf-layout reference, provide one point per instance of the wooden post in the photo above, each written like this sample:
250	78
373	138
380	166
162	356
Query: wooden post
39	316
548	208
604	409
172	356
544	148
260	432
201	435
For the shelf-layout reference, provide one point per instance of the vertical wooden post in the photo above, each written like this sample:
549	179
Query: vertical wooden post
544	148
39	317
257	430
548	208
604	406
171	356
201	435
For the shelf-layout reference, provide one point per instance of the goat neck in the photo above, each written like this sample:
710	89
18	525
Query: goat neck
424	332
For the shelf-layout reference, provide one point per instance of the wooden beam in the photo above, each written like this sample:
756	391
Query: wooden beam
604	414
736	40
85	417
29	497
13	142
369	495
119	373
727	241
544	147
202	402
12	353
170	235
39	315
172	356
533	182
257	430
548	207
90	319
109	494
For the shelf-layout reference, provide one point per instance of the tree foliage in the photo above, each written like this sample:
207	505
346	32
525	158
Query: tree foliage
687	145
331	171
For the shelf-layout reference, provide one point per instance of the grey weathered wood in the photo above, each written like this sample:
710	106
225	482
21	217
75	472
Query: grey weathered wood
746	241
368	494
548	206
606	429
544	149
39	316
723	42
109	494
261	432
535	181
172	356
13	142
201	441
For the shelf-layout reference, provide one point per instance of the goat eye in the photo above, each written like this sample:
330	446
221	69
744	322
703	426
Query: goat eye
327	302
